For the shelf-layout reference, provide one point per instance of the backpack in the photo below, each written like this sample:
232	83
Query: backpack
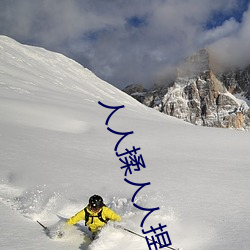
99	216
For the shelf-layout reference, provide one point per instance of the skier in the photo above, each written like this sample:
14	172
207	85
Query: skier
95	214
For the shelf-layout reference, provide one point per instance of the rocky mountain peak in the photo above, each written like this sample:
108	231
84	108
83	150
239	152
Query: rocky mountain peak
196	64
202	97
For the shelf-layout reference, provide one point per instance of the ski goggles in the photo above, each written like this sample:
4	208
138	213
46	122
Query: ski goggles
94	208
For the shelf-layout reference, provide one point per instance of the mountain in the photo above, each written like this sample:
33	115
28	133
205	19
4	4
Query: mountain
56	151
202	96
237	81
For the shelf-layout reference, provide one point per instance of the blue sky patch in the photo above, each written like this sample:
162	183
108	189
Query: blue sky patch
136	21
219	17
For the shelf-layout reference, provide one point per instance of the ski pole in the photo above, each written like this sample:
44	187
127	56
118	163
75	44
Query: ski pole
45	228
41	224
145	238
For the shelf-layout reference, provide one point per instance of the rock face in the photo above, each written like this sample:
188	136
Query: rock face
137	91
201	97
237	81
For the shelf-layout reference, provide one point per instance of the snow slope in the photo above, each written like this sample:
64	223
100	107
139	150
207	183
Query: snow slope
56	151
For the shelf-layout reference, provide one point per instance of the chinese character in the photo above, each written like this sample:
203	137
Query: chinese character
110	107
135	160
119	133
141	185
162	238
151	210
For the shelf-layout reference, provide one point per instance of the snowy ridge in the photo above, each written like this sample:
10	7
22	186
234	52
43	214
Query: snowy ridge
56	151
38	69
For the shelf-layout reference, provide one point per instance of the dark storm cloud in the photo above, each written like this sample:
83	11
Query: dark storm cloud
132	41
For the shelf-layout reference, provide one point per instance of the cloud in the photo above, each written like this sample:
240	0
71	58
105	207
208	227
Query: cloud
228	28
233	49
121	41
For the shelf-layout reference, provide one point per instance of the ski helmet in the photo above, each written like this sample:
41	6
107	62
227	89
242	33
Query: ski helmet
95	202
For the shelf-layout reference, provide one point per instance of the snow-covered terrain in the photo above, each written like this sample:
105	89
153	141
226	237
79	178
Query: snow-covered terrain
56	152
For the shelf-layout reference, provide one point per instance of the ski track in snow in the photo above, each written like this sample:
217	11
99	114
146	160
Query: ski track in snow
39	204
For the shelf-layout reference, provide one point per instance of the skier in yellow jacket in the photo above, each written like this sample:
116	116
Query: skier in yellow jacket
96	215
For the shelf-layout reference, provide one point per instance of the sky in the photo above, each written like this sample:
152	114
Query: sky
132	41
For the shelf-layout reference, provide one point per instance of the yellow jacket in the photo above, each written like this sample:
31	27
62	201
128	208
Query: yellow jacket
94	223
